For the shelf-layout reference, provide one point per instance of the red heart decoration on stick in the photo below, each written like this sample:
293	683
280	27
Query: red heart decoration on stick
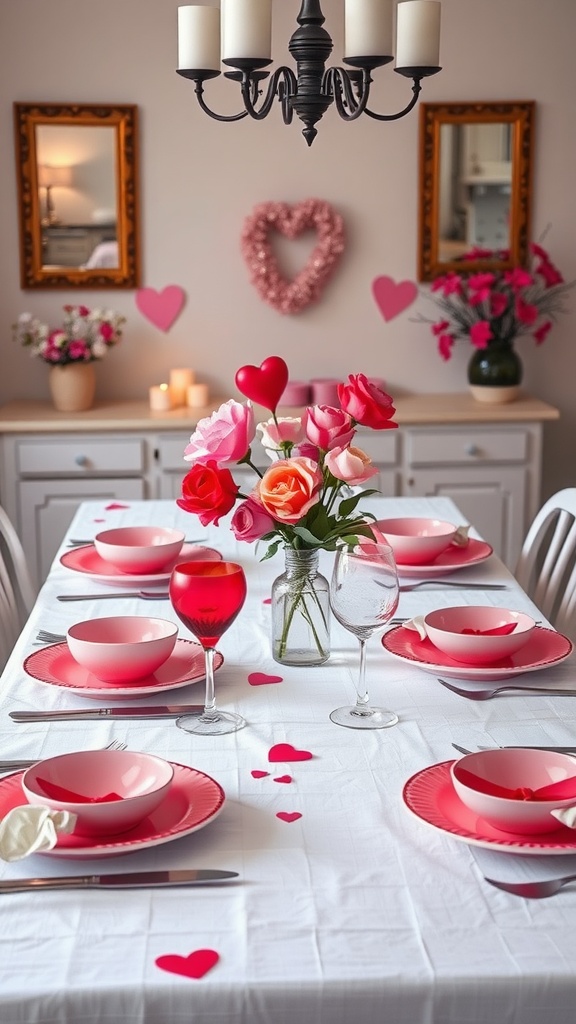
288	816
161	308
392	298
195	965
264	384
286	752
291	221
260	678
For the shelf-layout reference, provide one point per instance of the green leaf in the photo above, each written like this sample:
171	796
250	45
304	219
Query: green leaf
307	536
271	550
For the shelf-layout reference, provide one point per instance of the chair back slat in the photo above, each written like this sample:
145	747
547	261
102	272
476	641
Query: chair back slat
17	593
547	565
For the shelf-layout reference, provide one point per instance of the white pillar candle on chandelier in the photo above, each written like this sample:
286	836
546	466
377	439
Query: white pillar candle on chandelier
180	381
247	29
418	34
199	38
368	28
160	398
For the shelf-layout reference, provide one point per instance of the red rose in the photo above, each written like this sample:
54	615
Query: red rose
208	492
366	403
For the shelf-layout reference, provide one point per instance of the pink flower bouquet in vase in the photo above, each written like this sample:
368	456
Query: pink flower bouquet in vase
491	309
303	502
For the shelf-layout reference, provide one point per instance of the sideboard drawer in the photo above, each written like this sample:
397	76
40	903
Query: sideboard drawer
439	447
380	445
84	455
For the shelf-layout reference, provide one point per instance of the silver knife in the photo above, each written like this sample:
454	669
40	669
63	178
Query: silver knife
146	595
162	711
132	880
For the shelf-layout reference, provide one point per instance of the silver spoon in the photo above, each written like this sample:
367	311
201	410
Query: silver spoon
404	587
533	890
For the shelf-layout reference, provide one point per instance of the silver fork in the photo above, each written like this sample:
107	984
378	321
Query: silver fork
452	583
533	890
14	765
491	691
46	637
146	595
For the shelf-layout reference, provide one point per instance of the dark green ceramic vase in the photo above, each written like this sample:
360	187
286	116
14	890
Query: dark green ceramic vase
496	366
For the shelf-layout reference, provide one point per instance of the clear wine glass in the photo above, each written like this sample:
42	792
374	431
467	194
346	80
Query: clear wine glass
207	597
364	596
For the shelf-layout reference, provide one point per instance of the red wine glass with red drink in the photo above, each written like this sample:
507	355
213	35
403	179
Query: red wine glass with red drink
207	597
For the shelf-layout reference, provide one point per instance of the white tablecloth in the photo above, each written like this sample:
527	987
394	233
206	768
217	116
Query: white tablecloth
357	912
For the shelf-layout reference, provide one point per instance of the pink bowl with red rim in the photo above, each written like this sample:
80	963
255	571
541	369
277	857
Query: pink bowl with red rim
109	791
478	634
417	540
139	549
478	779
122	648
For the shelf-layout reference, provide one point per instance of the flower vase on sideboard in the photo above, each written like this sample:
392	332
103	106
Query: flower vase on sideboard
72	386
495	373
301	611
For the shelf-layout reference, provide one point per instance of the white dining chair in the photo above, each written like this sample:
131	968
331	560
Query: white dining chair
546	568
17	593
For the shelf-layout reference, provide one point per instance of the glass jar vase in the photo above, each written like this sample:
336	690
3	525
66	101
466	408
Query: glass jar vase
301	611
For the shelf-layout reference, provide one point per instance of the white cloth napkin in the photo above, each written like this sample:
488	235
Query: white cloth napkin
30	829
461	538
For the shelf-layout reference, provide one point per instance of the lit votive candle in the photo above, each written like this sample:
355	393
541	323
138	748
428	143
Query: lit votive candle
197	396
160	398
180	381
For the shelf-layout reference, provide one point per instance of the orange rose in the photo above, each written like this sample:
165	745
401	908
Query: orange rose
289	488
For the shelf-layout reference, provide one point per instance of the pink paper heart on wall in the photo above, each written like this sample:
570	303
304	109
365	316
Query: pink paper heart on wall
161	308
393	298
195	965
286	752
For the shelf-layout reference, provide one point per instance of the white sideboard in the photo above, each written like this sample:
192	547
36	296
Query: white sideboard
487	458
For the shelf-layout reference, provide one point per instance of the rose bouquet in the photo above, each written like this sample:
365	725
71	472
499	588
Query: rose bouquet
303	501
85	335
495	307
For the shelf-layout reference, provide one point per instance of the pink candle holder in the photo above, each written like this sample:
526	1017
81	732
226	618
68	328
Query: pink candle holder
296	392
325	391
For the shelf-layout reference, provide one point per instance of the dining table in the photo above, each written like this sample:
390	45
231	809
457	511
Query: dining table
360	898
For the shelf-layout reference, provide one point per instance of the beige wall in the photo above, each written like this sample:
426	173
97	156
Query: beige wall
200	179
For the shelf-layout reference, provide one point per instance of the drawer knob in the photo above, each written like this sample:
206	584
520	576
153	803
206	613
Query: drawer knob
472	449
81	460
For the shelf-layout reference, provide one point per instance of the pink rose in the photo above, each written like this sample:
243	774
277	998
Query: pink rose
351	465
208	492
223	437
327	427
251	521
290	488
366	403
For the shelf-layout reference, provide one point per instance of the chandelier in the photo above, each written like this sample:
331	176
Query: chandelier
368	44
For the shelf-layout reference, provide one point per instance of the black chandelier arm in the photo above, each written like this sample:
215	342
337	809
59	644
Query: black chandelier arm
282	85
416	89
349	92
199	90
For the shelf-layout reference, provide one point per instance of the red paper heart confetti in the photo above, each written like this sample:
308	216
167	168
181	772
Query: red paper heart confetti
195	965
161	308
291	221
264	384
258	775
288	816
392	298
286	752
283	778
267	600
261	678
114	506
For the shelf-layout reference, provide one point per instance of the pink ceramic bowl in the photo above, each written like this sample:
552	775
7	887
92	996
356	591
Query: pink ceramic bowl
417	541
514	770
110	791
139	549
478	634
123	648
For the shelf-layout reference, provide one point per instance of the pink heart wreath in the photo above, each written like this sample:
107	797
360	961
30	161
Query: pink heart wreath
291	221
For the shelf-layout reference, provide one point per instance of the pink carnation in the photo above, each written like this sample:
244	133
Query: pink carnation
481	334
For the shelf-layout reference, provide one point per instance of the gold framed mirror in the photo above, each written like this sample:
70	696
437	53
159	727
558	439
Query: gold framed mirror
475	186
77	175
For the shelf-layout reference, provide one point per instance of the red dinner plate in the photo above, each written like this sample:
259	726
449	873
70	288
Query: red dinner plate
431	797
55	665
87	561
192	802
545	647
451	560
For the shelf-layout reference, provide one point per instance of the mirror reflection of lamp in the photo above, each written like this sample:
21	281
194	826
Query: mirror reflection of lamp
49	178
